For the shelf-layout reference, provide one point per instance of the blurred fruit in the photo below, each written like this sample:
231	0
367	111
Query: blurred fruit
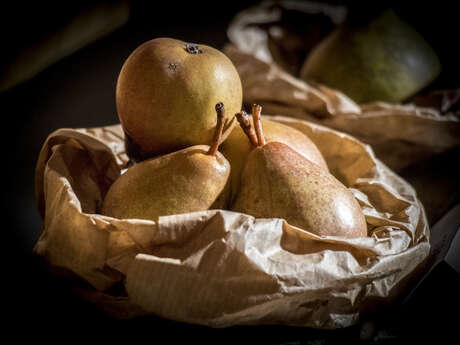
383	59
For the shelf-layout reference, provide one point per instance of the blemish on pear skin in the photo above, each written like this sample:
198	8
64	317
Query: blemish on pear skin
193	48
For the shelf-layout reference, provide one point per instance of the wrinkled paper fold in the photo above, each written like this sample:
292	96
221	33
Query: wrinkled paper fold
221	268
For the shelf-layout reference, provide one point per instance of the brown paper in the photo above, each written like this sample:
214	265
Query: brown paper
399	134
221	268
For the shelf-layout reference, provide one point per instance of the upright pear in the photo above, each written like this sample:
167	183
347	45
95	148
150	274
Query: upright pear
236	147
184	181
278	182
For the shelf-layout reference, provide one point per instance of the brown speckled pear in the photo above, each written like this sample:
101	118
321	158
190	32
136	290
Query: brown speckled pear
236	147
184	181
166	91
278	182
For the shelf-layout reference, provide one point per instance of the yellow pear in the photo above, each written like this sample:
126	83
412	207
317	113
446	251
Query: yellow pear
236	147
184	181
166	91
278	182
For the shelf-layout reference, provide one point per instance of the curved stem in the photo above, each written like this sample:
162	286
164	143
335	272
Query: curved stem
256	110
246	125
220	110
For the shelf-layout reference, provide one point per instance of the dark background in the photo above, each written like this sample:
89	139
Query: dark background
78	91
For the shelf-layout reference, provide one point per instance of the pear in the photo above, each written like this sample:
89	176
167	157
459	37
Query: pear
381	58
236	147
184	181
166	91
278	182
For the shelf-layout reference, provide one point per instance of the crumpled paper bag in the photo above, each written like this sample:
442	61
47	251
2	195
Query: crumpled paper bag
221	268
268	44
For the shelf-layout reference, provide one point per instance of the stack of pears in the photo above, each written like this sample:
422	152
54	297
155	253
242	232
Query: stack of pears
261	168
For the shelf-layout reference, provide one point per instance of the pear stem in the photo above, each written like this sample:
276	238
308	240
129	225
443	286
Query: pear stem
256	110
220	110
246	125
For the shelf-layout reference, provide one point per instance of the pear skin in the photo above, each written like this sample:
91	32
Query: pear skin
237	147
183	181
278	182
166	91
188	180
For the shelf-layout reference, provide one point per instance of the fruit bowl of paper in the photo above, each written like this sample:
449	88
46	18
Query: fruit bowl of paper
236	269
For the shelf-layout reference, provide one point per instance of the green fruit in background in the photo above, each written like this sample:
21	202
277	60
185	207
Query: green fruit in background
384	59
